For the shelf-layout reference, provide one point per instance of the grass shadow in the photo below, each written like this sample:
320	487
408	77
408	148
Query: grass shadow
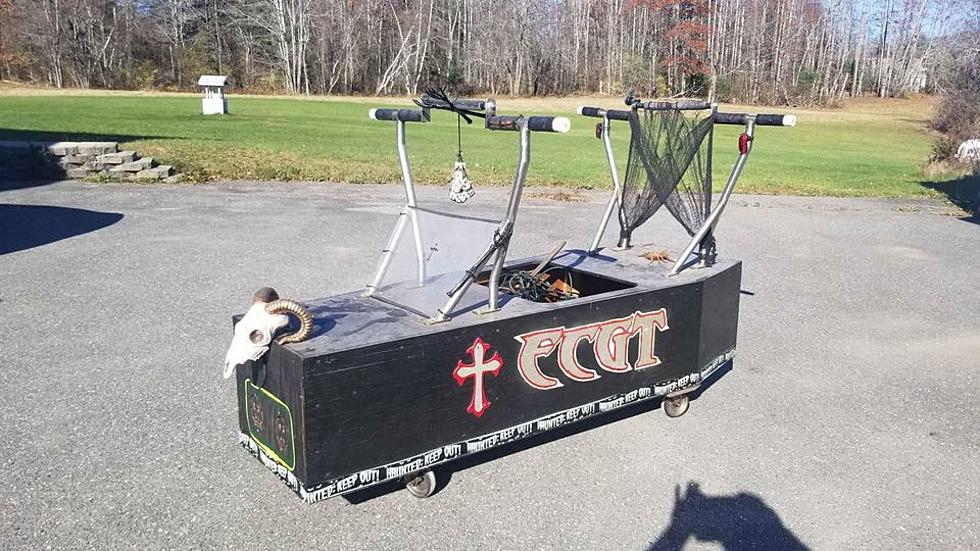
24	227
735	522
17	135
963	192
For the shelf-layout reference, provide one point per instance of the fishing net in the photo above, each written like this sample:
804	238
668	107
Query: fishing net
669	165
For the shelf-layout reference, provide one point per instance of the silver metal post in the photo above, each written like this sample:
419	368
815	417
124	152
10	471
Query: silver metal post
505	229
410	196
518	188
706	250
386	256
447	309
515	202
498	266
614	200
712	221
403	160
389	251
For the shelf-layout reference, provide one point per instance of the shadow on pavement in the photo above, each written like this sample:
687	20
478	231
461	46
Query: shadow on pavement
27	226
736	522
445	472
23	183
963	192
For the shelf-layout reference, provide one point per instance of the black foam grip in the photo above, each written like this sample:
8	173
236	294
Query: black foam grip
405	115
590	111
385	114
470	104
769	119
510	122
541	124
460	103
618	115
730	118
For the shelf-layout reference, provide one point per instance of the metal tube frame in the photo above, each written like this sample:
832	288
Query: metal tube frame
706	249
386	256
713	218
617	186
389	251
501	239
511	218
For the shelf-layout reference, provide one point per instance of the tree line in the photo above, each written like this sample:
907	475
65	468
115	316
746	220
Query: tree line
957	116
772	51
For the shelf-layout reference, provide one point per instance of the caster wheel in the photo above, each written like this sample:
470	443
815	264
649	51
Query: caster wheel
677	405
421	485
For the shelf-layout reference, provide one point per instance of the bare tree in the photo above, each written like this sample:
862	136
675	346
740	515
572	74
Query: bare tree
783	51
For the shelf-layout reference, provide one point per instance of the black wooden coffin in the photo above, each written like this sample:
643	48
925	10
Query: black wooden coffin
378	392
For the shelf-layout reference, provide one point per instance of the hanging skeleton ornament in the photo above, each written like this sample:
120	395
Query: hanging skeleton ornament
460	188
254	332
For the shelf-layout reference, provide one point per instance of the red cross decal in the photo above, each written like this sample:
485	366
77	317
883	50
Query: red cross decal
478	369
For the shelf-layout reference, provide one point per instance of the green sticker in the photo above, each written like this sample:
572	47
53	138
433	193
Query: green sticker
270	424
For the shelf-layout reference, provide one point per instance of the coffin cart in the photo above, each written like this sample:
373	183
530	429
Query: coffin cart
452	350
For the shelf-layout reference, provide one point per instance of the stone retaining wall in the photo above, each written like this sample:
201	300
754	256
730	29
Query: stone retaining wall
77	160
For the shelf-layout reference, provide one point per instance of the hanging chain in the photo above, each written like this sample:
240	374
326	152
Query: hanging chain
459	137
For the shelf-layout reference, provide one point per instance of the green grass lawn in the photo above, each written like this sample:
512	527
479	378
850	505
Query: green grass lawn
866	149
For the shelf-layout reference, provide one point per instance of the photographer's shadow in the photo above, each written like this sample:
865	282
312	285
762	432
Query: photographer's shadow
736	522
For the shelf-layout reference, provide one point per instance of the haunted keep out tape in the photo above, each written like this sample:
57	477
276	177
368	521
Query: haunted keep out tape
449	452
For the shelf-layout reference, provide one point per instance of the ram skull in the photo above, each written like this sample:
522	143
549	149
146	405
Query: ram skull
254	332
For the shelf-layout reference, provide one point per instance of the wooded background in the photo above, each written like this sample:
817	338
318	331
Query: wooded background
777	51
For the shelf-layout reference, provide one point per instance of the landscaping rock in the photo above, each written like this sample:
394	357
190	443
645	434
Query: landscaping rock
145	163
23	160
163	170
97	148
77	159
117	158
61	149
148	174
79	173
90	164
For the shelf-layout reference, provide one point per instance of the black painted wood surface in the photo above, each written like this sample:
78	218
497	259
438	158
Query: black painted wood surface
377	386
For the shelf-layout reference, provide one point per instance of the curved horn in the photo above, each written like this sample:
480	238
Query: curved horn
286	306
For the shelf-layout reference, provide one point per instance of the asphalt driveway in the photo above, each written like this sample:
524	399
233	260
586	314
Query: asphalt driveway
850	419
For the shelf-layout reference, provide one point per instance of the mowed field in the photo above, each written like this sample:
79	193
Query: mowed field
867	148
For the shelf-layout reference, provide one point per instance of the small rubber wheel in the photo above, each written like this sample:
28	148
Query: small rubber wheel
677	405
422	484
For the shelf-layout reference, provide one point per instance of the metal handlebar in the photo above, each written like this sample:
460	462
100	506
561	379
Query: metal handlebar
598	112
534	124
683	105
767	119
460	103
403	115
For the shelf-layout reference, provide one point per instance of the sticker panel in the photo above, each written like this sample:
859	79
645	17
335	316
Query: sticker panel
270	424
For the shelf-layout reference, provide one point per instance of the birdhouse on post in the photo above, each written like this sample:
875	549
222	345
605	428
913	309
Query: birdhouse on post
214	102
